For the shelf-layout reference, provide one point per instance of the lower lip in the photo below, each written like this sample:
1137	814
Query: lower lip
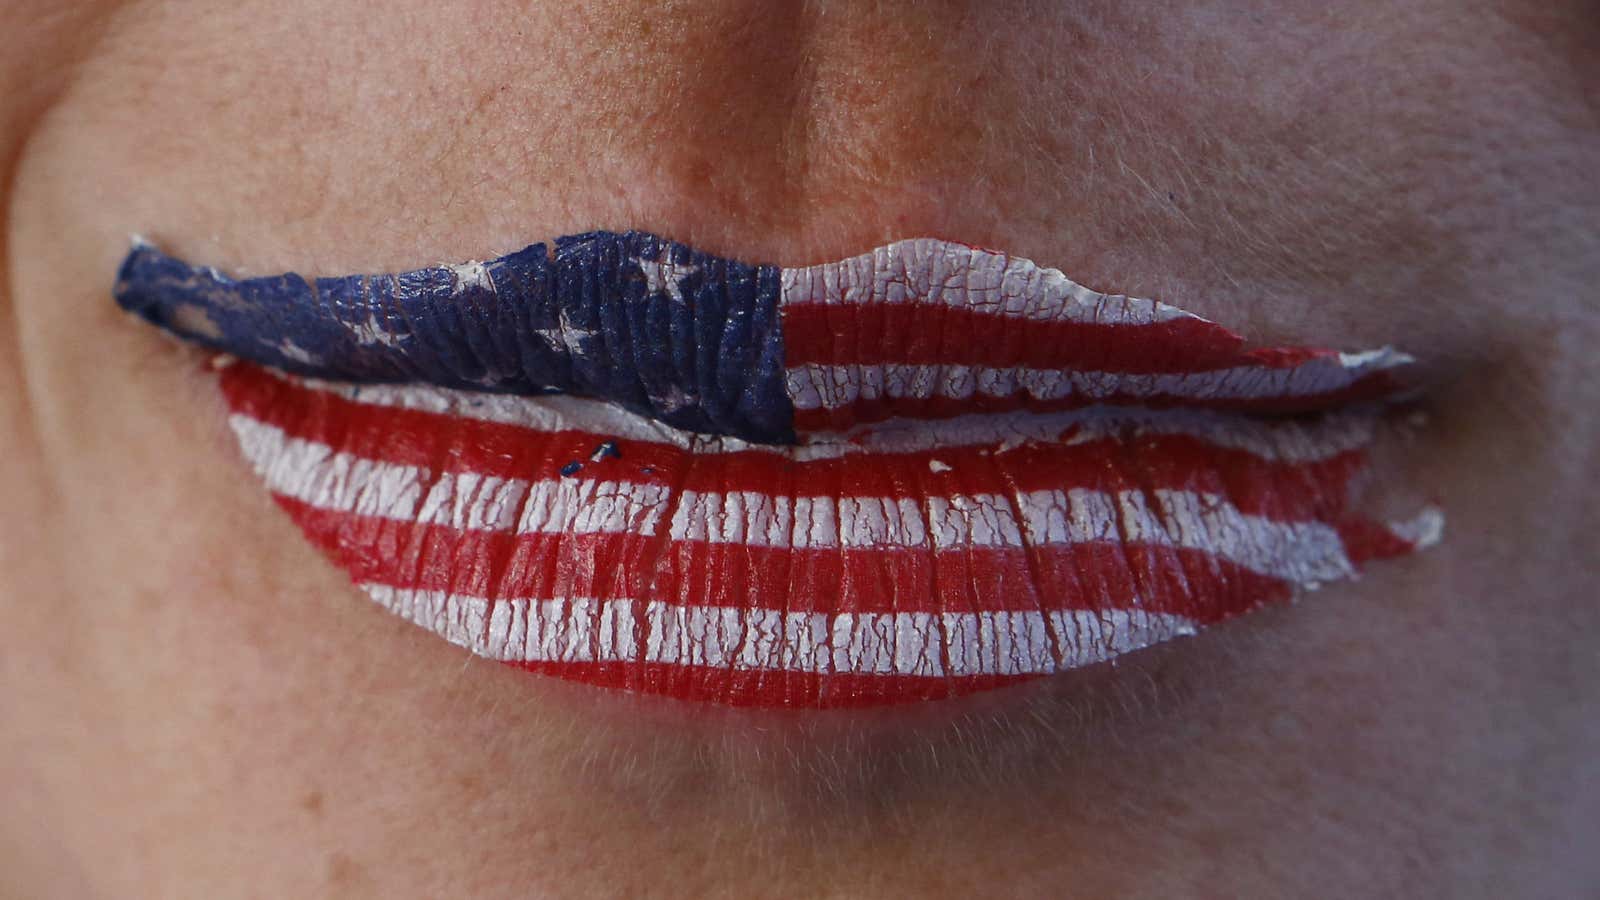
570	538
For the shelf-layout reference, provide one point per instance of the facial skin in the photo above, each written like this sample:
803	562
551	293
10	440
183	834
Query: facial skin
194	703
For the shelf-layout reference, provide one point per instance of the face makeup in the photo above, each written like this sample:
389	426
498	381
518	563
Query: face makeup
916	473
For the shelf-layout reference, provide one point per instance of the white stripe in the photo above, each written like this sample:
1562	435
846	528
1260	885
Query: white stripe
562	630
803	523
599	507
315	474
929	644
1306	553
927	270
1277	440
758	519
817	386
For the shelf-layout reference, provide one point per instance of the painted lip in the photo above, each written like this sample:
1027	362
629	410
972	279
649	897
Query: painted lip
917	473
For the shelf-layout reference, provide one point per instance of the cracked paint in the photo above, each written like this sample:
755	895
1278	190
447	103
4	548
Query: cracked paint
924	471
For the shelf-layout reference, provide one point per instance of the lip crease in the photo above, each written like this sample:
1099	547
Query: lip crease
921	472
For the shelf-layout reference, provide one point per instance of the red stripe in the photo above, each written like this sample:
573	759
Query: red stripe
938	334
1283	491
735	687
494	564
1374	386
502	565
1086	576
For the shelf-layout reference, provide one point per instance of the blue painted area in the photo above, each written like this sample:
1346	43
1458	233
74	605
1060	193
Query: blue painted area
685	337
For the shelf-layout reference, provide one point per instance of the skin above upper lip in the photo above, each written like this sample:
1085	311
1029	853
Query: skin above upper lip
917	473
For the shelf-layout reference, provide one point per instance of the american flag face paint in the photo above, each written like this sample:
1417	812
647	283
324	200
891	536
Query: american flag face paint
918	473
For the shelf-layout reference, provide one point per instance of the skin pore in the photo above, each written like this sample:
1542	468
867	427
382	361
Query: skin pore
194	703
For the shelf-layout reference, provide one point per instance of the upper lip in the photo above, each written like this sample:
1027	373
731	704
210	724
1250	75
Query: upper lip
916	329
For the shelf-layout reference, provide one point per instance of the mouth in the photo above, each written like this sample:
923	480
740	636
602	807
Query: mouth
915	474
